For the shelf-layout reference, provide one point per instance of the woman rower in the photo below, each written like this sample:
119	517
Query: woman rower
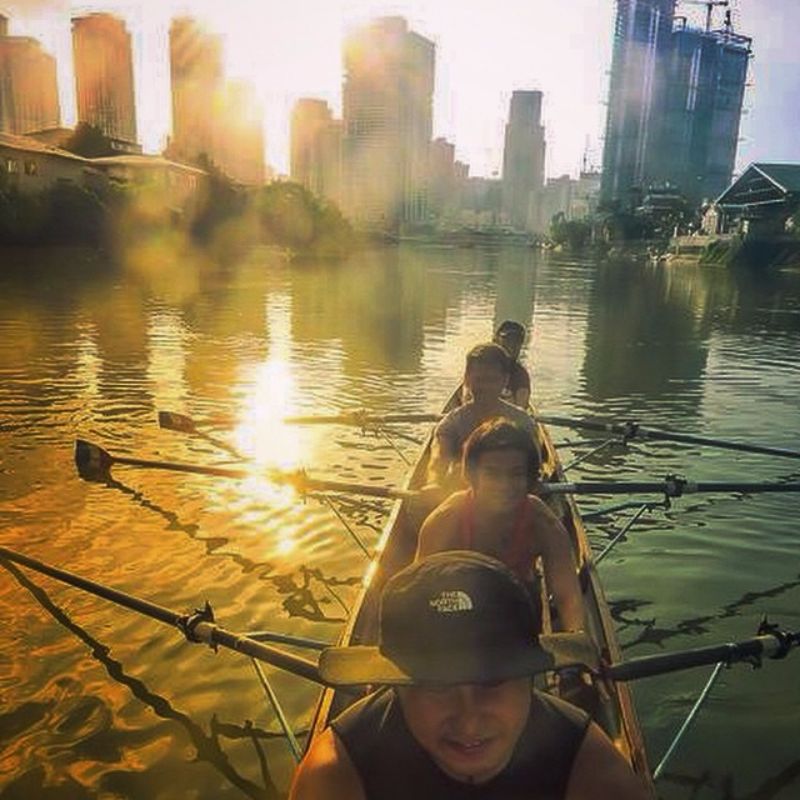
497	516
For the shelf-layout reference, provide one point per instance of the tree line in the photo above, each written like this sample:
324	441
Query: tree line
284	214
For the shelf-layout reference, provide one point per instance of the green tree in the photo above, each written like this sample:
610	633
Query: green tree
89	142
573	234
219	202
290	216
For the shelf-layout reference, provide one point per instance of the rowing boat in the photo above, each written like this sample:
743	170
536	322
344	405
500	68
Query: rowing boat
610	704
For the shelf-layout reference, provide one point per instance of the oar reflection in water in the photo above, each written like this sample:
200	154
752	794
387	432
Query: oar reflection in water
695	626
772	788
299	599
207	747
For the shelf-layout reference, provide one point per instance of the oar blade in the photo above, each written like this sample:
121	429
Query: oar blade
92	462
173	421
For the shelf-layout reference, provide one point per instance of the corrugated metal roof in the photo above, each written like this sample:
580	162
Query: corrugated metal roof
787	176
763	183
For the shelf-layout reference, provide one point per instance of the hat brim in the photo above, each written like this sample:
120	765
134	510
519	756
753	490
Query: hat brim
359	665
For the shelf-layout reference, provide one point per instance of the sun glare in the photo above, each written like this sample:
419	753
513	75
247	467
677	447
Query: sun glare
261	433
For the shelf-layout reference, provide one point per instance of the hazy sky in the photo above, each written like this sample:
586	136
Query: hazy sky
485	50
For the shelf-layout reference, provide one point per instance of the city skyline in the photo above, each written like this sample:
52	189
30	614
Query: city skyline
287	58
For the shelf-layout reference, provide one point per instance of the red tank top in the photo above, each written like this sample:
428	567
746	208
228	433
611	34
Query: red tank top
517	553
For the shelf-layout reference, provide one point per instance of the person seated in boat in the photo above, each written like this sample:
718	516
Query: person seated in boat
485	376
456	714
510	335
498	516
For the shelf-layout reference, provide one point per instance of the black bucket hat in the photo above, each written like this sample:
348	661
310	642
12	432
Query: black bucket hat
455	617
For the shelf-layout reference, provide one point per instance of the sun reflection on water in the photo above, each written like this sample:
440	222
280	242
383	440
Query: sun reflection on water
270	444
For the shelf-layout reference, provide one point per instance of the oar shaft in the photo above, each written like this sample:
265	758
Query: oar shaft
204	631
106	592
174	466
634	431
723	444
356	488
214	635
647	666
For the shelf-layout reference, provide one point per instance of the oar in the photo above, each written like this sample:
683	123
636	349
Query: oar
173	421
632	430
629	430
94	462
197	627
200	627
769	643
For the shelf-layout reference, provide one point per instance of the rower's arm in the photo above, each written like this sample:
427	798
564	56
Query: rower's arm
600	772
326	771
443	453
522	397
559	568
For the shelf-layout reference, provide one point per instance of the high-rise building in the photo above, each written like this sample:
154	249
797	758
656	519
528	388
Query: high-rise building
642	43
28	84
238	134
674	105
104	75
388	123
196	81
703	107
316	148
444	183
523	160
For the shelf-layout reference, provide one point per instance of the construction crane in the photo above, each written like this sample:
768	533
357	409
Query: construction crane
710	5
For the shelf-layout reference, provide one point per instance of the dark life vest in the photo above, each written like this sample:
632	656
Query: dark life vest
392	766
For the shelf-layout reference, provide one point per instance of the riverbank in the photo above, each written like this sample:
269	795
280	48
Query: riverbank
735	251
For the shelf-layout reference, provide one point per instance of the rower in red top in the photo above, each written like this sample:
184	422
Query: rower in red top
497	516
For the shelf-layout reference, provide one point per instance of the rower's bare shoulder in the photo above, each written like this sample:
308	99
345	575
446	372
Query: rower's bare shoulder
541	512
326	771
441	526
600	772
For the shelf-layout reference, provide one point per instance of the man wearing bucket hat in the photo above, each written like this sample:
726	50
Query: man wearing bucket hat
456	716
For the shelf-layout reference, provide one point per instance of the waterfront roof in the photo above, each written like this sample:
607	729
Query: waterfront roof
27	144
140	161
763	184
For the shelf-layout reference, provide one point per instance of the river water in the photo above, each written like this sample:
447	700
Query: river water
98	702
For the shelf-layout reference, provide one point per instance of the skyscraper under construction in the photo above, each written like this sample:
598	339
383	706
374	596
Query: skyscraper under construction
674	103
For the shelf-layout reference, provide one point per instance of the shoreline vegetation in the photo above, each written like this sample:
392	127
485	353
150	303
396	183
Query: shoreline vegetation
221	219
